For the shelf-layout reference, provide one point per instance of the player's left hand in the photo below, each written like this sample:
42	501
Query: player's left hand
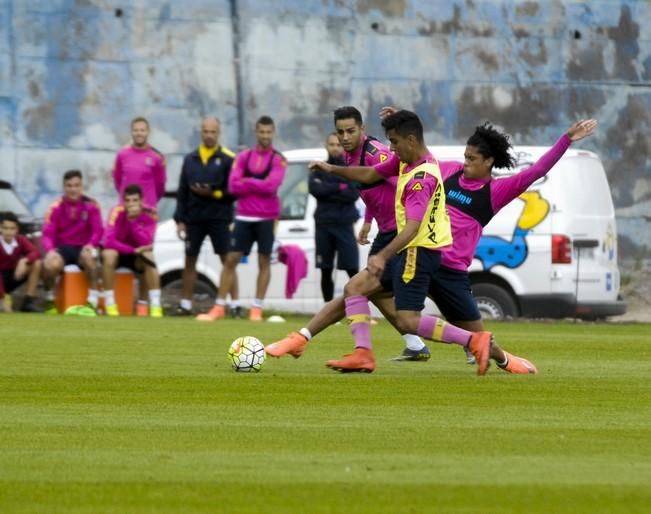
581	129
387	110
201	189
376	265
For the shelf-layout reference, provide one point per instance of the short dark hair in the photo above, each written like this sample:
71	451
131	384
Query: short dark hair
72	174
264	120
132	189
404	123
139	119
347	112
8	216
492	143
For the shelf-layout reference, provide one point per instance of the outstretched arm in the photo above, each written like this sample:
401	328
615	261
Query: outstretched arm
362	174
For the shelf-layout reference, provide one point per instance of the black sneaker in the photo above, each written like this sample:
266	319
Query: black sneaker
236	312
408	355
28	305
182	311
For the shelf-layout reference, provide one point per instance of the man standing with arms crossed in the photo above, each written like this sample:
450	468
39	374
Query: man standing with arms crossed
204	207
255	179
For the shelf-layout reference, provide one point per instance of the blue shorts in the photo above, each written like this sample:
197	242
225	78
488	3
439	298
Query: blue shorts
245	233
450	289
379	243
70	254
413	270
331	238
218	231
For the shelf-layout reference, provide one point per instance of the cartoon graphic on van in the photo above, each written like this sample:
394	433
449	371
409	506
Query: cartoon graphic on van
493	251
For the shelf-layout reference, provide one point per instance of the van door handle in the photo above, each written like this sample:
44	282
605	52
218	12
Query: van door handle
298	229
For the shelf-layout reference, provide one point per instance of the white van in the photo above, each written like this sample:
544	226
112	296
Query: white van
526	264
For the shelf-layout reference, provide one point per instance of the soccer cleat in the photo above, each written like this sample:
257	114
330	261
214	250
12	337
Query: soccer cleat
470	358
480	346
112	310
518	365
294	345
155	312
255	314
360	361
236	312
28	305
142	310
215	313
181	311
50	307
409	355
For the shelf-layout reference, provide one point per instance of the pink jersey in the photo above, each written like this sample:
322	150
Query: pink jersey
379	198
144	167
466	230
254	179
125	235
72	223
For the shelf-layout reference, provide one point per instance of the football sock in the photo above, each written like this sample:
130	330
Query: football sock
431	327
234	304
220	301
186	304
154	297
49	295
413	342
93	297
257	302
109	297
306	333
358	313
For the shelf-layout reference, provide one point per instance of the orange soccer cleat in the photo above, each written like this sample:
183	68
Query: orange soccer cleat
360	361
293	344
480	347
518	365
215	313
255	314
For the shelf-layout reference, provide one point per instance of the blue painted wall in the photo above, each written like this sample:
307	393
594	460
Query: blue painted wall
73	73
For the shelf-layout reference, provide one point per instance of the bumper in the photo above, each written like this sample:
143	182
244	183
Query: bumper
565	306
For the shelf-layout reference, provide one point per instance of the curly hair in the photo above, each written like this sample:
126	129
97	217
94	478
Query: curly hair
492	143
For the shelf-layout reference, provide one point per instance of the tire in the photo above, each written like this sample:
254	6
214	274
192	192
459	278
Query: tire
494	302
203	296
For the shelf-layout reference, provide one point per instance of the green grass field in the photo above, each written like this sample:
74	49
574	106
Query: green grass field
142	416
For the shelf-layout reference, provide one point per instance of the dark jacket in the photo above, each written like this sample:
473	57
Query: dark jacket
192	208
335	197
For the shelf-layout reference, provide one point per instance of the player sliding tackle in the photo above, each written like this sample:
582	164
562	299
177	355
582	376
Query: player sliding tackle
450	287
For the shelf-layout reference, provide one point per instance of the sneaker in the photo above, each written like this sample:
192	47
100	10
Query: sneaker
155	312
294	344
142	310
480	347
215	313
28	305
409	355
50	307
360	361
181	311
518	365
236	312
255	314
112	310
470	358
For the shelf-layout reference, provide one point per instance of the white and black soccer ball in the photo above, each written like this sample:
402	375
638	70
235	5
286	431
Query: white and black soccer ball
246	354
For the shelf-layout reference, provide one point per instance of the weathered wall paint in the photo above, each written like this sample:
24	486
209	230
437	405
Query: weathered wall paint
73	73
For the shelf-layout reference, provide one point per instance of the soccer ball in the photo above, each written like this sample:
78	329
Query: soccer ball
246	354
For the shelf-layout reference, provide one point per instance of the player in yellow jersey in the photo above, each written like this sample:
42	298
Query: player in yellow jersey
412	257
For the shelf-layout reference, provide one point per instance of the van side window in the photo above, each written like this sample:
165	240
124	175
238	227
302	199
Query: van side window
294	192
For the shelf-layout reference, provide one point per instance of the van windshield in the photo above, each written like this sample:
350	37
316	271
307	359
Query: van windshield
294	192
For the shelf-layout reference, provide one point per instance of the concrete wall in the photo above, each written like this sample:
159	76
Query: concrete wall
73	73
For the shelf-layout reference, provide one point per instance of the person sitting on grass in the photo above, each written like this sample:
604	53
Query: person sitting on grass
19	263
128	242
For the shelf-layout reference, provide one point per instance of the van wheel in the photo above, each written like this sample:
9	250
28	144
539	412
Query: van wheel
494	302
203	295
